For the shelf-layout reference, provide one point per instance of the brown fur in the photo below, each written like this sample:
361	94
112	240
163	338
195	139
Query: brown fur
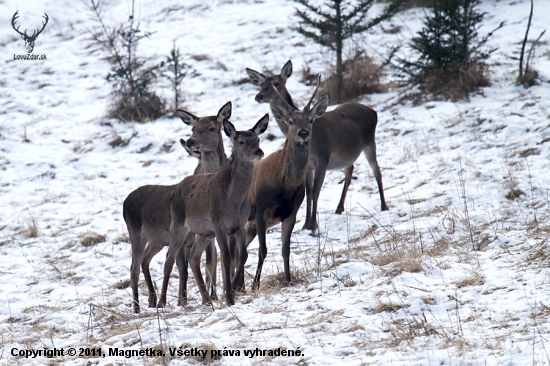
215	205
146	211
278	183
338	138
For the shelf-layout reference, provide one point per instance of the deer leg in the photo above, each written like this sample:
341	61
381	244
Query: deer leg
182	263
221	237
309	187
138	242
251	233
152	249
347	181
211	265
195	262
234	253
240	238
370	153
287	226
317	184
261	227
178	232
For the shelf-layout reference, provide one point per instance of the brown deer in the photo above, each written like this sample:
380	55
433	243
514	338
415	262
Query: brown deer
337	140
216	205
279	181
146	210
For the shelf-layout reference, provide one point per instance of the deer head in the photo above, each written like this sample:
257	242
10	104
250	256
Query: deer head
299	122
29	40
206	130
246	143
264	82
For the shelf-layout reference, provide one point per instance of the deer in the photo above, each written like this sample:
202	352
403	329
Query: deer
337	140
146	210
216	205
29	40
279	182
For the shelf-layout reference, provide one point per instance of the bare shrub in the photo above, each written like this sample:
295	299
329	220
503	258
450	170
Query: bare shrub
528	76
514	193
362	76
455	84
132	75
32	229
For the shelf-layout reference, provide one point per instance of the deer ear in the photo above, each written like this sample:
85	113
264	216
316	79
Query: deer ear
255	77
229	129
224	112
261	125
279	111
286	71
187	118
319	108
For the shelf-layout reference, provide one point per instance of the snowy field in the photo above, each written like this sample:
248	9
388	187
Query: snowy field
455	273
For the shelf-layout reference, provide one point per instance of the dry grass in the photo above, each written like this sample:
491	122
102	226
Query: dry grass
408	329
514	193
475	279
388	308
362	76
32	229
127	107
200	57
91	239
453	84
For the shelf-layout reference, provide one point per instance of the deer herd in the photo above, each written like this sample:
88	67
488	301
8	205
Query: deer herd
233	200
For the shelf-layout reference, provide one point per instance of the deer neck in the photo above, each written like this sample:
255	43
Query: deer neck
281	122
240	176
295	163
212	161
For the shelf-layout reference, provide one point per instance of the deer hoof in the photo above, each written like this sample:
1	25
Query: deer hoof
161	303
385	207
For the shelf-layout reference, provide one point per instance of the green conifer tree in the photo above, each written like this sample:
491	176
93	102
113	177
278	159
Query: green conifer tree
337	21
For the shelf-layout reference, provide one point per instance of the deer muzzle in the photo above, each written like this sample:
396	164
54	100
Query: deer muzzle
303	134
258	154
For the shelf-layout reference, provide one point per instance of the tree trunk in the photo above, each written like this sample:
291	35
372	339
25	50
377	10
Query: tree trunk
339	64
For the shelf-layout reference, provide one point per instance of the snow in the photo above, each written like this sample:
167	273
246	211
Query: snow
454	273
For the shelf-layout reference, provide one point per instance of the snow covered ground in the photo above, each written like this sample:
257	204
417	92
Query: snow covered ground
454	273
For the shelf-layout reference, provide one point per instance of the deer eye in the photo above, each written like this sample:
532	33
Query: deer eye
241	142
275	84
212	129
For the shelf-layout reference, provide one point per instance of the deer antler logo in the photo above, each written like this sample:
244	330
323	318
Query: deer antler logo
29	40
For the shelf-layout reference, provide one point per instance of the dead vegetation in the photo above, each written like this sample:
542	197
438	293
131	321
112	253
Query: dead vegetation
362	76
91	239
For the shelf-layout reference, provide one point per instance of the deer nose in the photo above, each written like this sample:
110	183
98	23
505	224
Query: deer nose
303	133
259	97
259	153
190	143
